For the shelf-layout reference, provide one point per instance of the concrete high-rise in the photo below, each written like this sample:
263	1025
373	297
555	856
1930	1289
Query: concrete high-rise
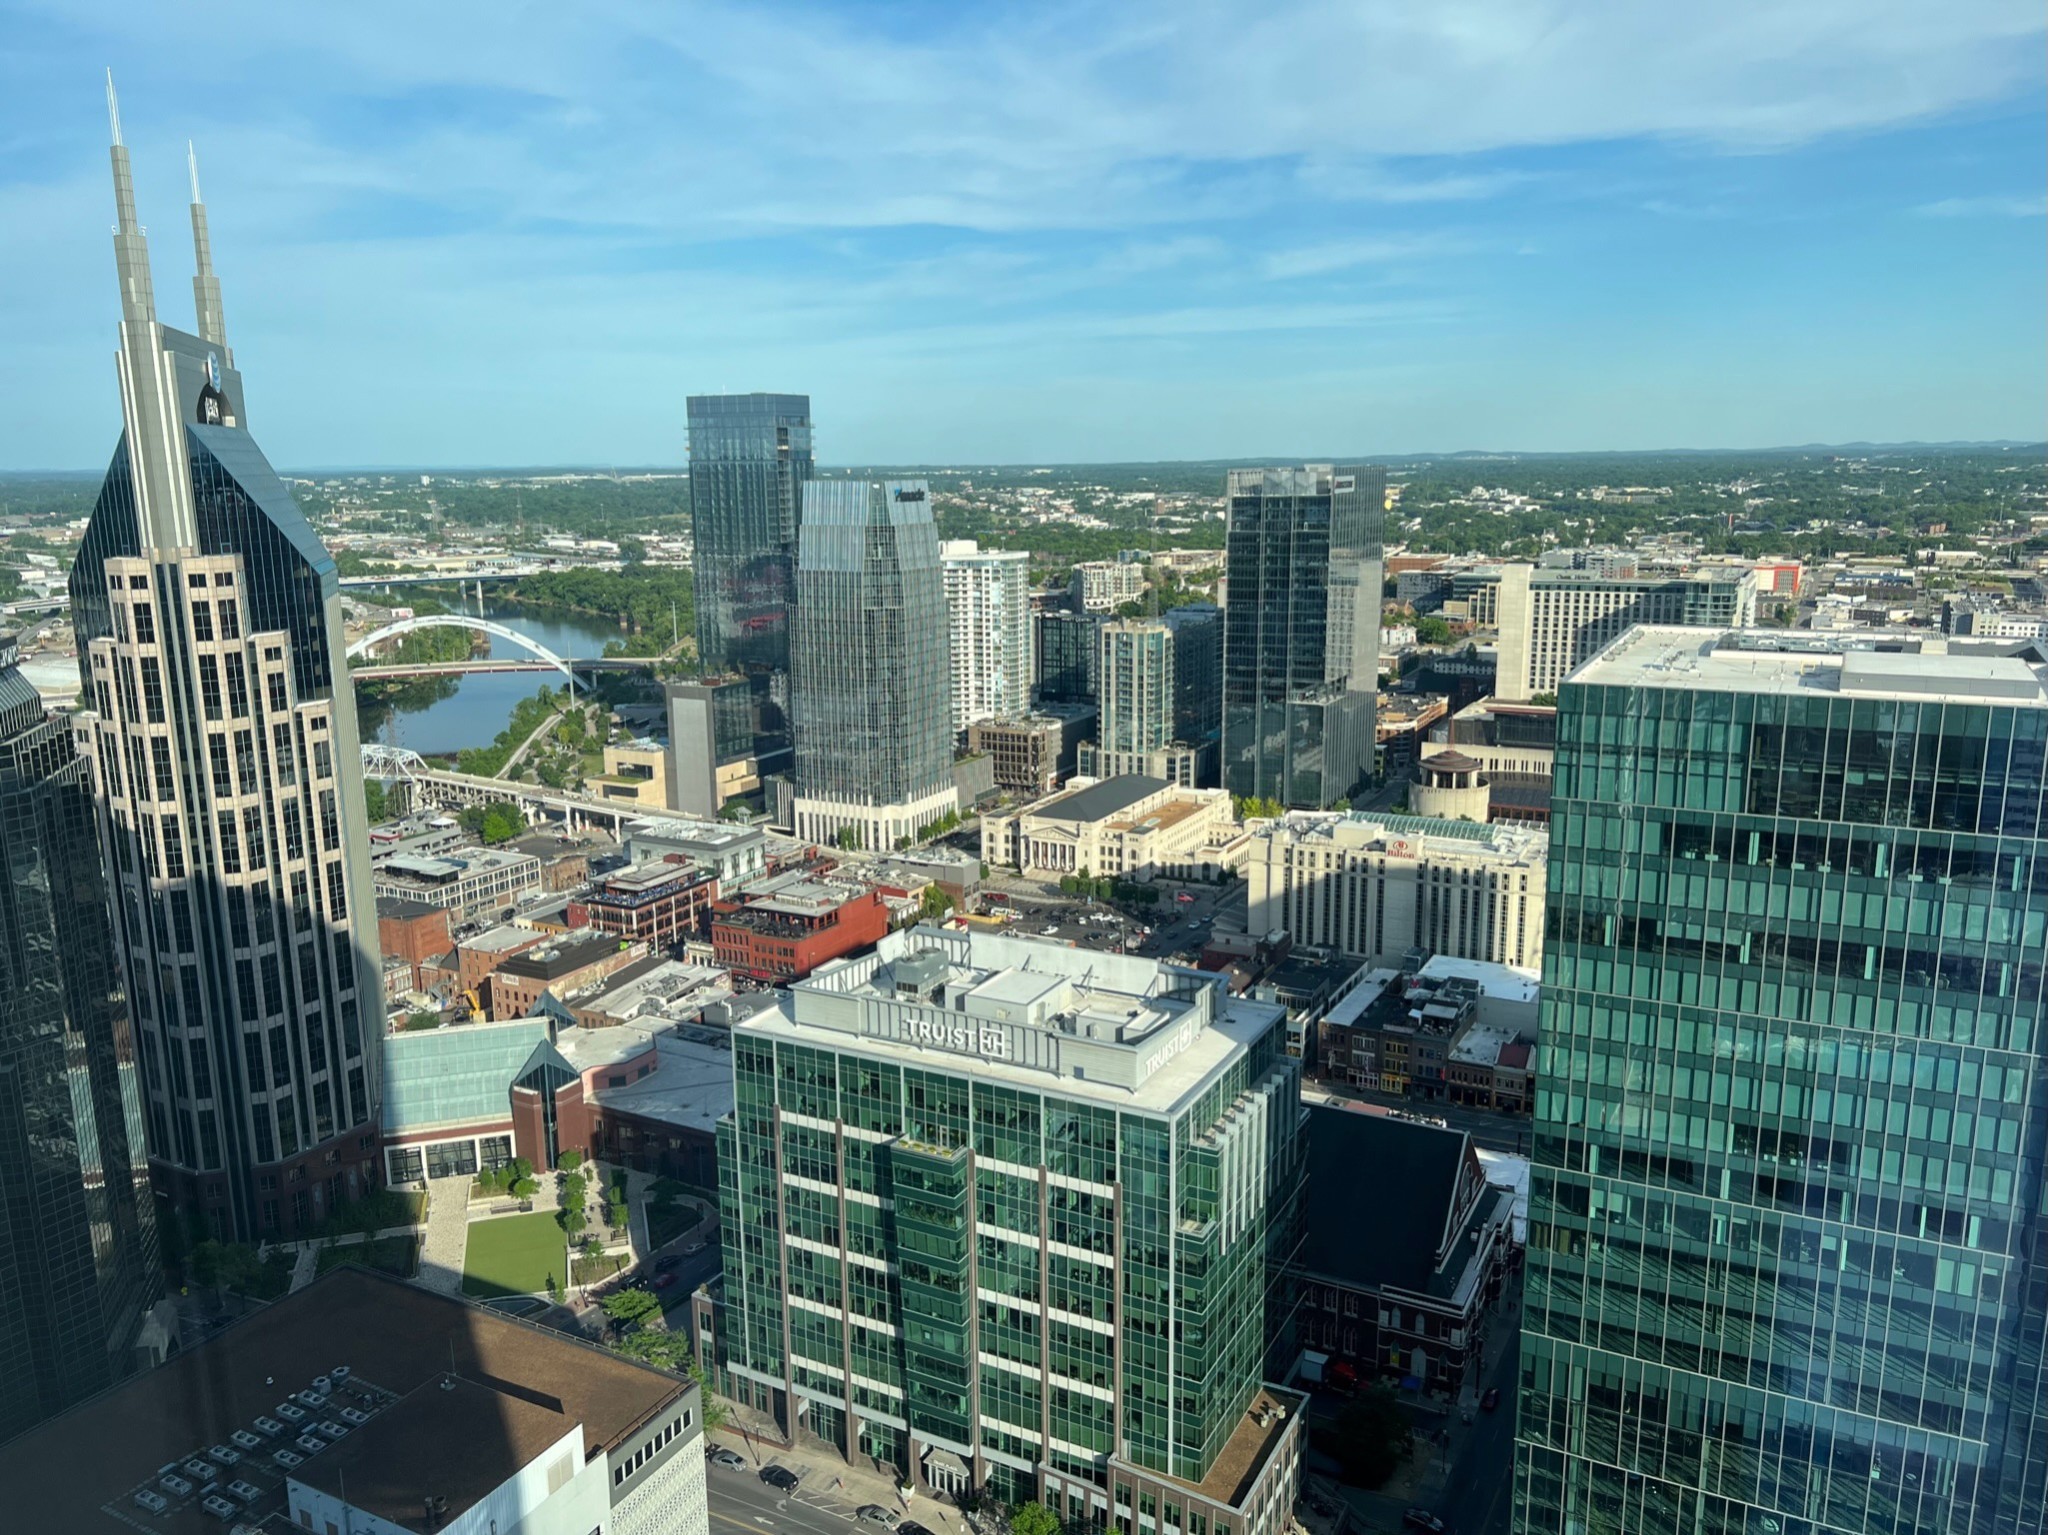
1016	1216
872	665
1788	1257
78	1255
1302	561
988	600
1136	691
222	729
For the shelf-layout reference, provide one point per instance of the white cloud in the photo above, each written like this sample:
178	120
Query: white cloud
1342	255
1985	207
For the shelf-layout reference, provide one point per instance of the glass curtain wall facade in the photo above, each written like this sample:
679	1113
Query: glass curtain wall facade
872	665
1068	654
1049	1280
78	1256
1302	554
1787	1226
222	735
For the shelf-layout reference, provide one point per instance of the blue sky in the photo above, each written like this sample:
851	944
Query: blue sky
512	233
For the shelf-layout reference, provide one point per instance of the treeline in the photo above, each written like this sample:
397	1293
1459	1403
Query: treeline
654	604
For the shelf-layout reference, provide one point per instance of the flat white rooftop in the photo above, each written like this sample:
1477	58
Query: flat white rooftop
1755	661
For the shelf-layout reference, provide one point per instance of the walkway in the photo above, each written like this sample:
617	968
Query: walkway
526	745
447	1238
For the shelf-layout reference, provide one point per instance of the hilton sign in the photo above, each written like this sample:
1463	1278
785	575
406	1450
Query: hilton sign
967	1038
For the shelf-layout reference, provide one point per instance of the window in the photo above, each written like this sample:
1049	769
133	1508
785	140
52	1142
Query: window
285	757
330	825
153	689
230	619
230	845
323	760
145	623
294	836
209	686
275	683
238	688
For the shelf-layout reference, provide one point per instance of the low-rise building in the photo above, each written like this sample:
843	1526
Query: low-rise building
734	853
1373	885
1408	1253
1103	586
635	771
1037	752
654	1095
448	1099
1435	1032
655	904
556	968
1134	827
479	954
788	926
413	932
448	1417
468	881
651	991
564	860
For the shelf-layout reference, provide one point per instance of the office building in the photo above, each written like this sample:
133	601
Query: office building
1103	586
1301	631
989	607
1786	1231
1036	753
1374	885
78	1256
1129	828
1134	683
715	729
1011	1215
1553	621
1197	629
749	457
873	666
222	727
366	1404
1067	655
465	879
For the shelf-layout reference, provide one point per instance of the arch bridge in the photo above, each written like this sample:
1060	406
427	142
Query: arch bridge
406	626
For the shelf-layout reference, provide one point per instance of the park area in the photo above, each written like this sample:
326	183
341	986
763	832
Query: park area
513	1255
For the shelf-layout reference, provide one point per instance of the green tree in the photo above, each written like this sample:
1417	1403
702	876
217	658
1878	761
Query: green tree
376	803
493	823
1372	1438
554	1289
849	837
631	1307
935	903
1430	629
569	1160
1034	1519
416	1021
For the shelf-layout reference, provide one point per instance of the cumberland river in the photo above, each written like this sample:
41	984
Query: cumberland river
472	710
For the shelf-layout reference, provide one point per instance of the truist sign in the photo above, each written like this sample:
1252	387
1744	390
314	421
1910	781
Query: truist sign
967	1038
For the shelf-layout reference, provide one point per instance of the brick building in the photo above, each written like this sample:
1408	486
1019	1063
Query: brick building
791	926
559	966
658	904
412	931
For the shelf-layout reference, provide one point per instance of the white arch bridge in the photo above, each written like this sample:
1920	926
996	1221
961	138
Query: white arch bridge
405	626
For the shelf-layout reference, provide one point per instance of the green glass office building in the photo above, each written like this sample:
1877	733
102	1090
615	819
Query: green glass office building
1015	1216
1787	1224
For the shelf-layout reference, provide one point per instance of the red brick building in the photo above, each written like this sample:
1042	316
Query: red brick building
559	966
412	931
785	930
659	904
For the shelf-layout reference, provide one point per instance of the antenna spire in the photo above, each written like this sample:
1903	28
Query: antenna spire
113	107
213	325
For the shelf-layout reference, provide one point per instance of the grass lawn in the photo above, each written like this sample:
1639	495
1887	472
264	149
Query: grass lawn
513	1255
390	1255
595	1270
666	1222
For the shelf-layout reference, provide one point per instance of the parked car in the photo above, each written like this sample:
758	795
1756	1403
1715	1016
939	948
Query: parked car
663	1281
692	1249
1423	1519
731	1460
781	1478
1490	1400
911	1527
874	1513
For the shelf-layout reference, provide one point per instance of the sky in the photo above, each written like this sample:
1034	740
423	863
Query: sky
457	234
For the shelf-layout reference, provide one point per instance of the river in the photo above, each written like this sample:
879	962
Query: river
470	711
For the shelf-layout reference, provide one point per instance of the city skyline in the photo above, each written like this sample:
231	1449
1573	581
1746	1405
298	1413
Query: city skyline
1827	229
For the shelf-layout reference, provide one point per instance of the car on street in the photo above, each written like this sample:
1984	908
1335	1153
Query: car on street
731	1460
1185	899
1490	1400
1423	1519
781	1478
911	1527
693	1249
874	1513
663	1281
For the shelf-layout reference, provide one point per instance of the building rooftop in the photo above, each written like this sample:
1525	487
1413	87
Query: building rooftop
690	1086
505	938
1482	1044
394	1338
1250	1446
1502	983
1755	661
1414	835
398	908
1119	1029
1099	801
455	1075
652	989
426	1444
688	832
561	956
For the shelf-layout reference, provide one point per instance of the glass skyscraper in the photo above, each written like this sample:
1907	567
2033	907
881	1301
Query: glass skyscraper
872	692
1014	1215
77	1227
1786	1232
1302	558
749	457
221	726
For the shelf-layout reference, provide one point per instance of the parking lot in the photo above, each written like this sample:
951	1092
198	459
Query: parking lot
1172	929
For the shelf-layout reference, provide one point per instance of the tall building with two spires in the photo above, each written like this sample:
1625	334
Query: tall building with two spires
222	731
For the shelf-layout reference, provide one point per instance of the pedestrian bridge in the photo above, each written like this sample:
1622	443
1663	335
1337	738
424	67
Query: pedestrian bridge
405	626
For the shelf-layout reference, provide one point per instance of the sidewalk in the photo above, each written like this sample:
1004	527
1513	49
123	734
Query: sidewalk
446	1242
829	1481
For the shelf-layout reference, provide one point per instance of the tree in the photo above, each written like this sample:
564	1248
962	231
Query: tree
630	1308
569	1160
935	903
554	1289
415	1021
1034	1519
849	838
376	803
1372	1437
1430	629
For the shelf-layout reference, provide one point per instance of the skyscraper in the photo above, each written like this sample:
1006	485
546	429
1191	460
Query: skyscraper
749	457
77	1225
1136	689
989	602
1302	558
1015	1215
1786	1232
222	729
1068	652
872	694
1197	675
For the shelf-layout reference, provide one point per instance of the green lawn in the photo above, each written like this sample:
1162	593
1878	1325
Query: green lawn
513	1255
